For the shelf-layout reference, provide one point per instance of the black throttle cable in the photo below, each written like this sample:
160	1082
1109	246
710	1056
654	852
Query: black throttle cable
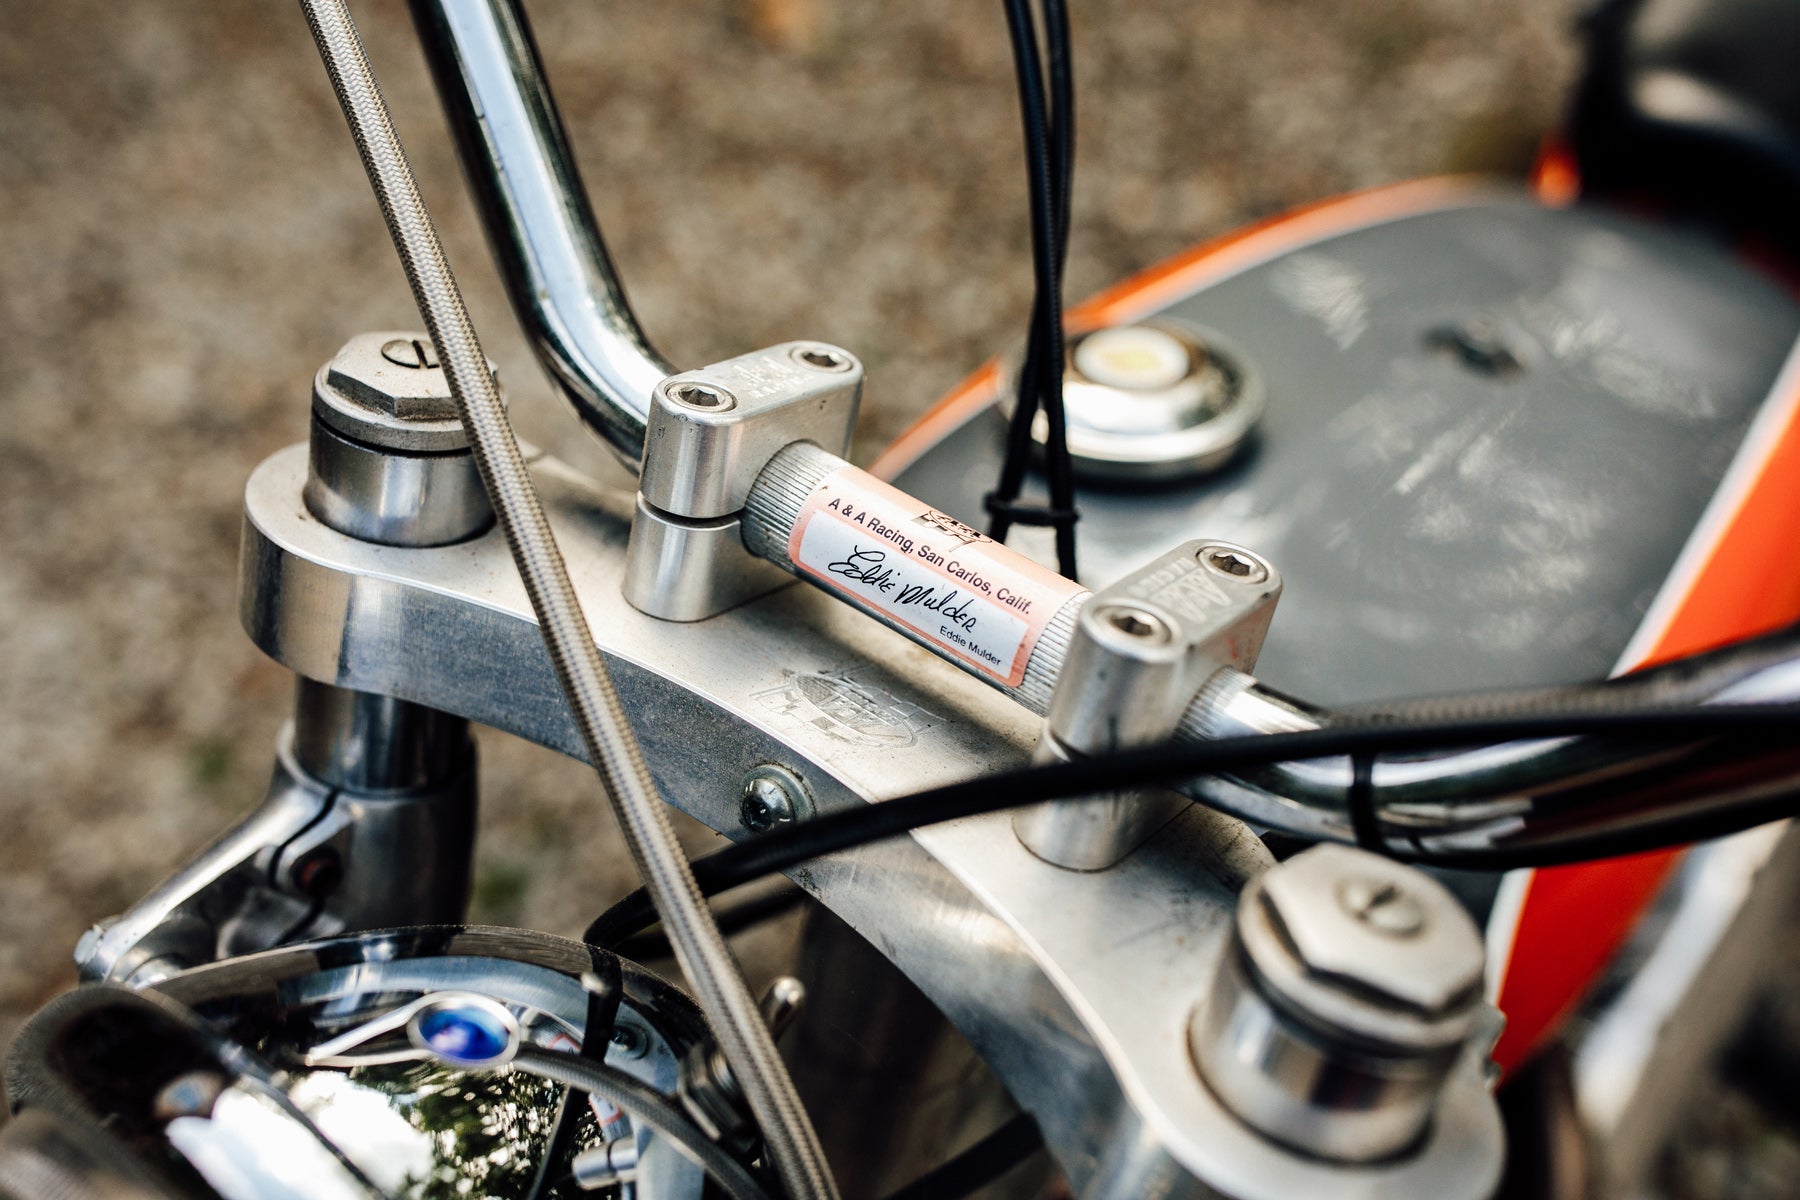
1770	726
596	1035
1049	151
981	1164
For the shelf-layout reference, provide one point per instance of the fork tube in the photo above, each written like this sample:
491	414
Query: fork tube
369	743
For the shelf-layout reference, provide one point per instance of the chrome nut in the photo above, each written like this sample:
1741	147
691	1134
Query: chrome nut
1364	943
1349	998
387	390
396	373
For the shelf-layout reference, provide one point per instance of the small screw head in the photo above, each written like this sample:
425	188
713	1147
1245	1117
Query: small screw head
628	1042
1383	906
706	397
1137	623
772	796
1233	563
415	353
765	806
822	358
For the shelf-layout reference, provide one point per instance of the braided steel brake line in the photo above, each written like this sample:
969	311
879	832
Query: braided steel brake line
700	949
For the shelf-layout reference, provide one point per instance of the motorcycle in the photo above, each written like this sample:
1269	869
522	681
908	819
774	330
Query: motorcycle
1470	436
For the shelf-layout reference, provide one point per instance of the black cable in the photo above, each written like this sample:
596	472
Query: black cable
1060	52
562	1137
1060	467
647	1105
653	943
1049	153
1039	184
784	849
596	1035
979	1165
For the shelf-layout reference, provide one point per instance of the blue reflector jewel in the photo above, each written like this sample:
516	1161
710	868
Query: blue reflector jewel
466	1032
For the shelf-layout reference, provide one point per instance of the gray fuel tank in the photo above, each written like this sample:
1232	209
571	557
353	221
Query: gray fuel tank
1442	525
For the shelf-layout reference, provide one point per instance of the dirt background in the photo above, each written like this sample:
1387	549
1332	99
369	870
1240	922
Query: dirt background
185	235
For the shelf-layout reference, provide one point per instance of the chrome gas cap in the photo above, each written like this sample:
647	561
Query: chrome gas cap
1156	401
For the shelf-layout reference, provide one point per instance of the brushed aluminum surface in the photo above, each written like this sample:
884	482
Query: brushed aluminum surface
1026	959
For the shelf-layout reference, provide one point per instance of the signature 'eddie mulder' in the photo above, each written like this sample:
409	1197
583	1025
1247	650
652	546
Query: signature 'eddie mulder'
869	568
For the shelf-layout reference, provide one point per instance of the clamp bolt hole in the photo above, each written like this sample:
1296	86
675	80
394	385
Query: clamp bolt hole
1232	564
1133	623
703	396
819	358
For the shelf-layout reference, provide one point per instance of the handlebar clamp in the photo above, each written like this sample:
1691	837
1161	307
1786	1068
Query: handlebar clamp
711	432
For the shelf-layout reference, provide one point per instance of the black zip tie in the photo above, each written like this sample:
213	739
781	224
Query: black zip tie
1360	801
1022	512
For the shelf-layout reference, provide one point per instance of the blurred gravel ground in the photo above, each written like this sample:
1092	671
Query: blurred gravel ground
185	235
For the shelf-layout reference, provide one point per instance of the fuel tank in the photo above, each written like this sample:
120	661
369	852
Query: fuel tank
1501	443
1490	430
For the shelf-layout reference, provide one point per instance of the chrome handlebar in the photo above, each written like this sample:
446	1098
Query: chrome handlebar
1512	795
539	223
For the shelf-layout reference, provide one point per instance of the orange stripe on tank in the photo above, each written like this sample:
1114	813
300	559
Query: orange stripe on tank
1574	919
939	422
1252	245
1555	176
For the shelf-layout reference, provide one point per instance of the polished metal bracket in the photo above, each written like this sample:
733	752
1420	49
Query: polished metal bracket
711	432
369	821
1076	987
1141	651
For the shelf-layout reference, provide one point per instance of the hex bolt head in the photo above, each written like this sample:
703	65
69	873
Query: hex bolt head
1351	935
388	390
1350	995
395	374
707	397
772	796
1233	564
